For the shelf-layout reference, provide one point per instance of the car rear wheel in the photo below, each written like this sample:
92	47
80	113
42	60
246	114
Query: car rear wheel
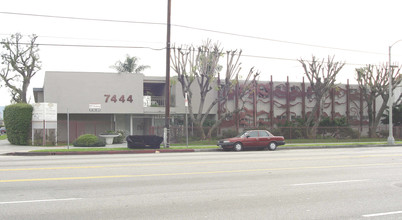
238	146
272	146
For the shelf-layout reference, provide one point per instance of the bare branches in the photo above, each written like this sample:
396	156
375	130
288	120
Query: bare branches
20	63
321	75
201	65
374	82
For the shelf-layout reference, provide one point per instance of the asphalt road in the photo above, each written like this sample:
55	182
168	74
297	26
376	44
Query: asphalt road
357	183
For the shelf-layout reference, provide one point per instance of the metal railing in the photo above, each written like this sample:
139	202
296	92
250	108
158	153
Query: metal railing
159	101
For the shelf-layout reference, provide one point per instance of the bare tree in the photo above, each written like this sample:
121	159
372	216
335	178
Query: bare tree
21	63
231	80
201	66
322	76
374	82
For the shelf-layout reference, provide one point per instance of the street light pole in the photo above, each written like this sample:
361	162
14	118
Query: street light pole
391	140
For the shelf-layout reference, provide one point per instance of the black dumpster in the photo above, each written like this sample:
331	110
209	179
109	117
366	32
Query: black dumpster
144	141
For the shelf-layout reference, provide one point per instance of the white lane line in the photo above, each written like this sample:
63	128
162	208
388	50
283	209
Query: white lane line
331	182
382	214
43	200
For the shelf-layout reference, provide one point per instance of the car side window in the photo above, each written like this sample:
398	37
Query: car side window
253	134
263	134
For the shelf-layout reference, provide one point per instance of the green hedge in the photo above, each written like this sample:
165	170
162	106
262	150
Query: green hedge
88	140
17	118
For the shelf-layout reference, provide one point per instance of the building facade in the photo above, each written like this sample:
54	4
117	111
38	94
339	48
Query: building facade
97	102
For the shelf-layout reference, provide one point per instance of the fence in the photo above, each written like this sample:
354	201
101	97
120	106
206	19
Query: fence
159	101
355	133
340	134
177	133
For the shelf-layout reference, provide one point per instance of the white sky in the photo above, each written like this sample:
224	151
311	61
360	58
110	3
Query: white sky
364	25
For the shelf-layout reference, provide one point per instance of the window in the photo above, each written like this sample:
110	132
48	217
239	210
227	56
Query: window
263	134
253	134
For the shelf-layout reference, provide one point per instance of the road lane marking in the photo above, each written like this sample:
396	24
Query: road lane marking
330	182
198	173
382	214
43	200
207	162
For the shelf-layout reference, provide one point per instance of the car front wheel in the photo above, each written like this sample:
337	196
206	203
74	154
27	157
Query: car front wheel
238	146
272	146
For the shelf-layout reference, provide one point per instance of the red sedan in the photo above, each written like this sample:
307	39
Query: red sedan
252	139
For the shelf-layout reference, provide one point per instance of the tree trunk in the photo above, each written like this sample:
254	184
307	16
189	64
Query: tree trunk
24	92
380	112
318	119
209	135
199	126
311	131
372	130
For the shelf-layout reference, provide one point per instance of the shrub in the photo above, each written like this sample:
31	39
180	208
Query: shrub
88	140
120	139
17	118
229	133
337	128
291	129
348	132
383	133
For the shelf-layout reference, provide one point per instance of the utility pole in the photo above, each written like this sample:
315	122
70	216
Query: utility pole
167	82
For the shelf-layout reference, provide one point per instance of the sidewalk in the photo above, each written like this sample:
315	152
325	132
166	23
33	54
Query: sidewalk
8	149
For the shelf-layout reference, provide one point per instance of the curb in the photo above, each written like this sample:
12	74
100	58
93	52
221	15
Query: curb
156	151
98	152
337	146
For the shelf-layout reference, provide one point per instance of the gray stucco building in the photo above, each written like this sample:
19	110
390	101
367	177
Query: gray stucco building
98	102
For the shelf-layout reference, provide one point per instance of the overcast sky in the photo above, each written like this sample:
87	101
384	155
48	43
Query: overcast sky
357	32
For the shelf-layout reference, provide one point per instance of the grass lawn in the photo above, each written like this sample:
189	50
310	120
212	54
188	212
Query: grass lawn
3	137
343	143
295	141
83	149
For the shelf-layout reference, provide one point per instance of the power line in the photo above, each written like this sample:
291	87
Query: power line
192	49
100	46
164	48
279	41
90	39
91	46
193	28
290	59
80	18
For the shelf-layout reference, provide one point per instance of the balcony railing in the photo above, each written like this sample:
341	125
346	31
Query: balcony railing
159	101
